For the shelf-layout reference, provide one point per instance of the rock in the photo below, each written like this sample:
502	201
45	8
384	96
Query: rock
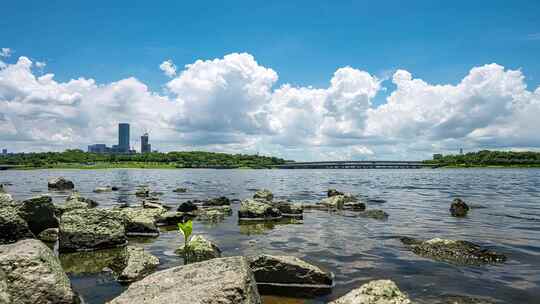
102	189
171	218
91	229
49	235
34	274
452	251
216	281
459	208
60	183
289	209
139	264
142	192
141	221
257	210
199	249
5	199
188	206
155	205
85	262
457	299
333	192
219	201
263	194
39	213
180	190
75	201
114	188
375	292
337	201
289	275
12	226
355	206
4	293
374	214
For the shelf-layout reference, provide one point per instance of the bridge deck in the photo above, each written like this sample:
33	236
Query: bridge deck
357	165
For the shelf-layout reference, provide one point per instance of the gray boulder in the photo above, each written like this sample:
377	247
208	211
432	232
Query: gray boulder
75	201
375	292
39	213
263	194
216	281
289	275
453	251
257	210
34	275
141	221
60	183
199	249
12	226
49	235
459	208
91	229
289	210
139	264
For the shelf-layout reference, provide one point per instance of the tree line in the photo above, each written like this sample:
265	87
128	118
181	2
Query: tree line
489	158
191	159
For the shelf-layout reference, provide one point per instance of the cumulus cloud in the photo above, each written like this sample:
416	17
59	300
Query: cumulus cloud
168	68
232	104
5	52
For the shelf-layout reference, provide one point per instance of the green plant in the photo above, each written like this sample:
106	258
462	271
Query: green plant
186	228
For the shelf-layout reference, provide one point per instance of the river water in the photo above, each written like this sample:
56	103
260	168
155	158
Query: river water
355	249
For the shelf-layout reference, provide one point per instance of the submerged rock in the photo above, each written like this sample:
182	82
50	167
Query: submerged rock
219	201
452	251
60	183
39	213
155	205
103	189
199	249
180	190
257	210
188	206
34	275
142	192
85	262
337	201
12	226
375	292
289	275
139	264
91	229
49	235
333	192
263	194
459	208
457	299
355	206
216	281
374	214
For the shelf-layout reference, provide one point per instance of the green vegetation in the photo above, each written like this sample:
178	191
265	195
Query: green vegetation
77	159
487	158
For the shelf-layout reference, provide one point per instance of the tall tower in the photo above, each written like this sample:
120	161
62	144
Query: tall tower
145	146
123	137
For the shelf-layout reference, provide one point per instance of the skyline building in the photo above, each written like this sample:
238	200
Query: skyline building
123	138
145	146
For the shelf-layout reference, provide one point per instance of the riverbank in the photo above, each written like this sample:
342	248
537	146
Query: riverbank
123	165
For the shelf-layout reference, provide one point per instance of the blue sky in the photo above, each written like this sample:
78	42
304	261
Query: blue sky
304	42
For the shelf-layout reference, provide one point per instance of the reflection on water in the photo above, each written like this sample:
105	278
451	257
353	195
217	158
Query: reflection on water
356	249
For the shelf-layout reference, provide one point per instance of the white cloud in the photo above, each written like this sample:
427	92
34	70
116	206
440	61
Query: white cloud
231	104
40	65
168	68
5	52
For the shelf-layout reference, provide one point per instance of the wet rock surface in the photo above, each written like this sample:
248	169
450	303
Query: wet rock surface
199	249
263	194
180	190
289	275
140	221
75	201
337	201
376	214
12	226
139	264
39	213
257	210
375	292
458	299
216	281
453	251
187	207
459	208
91	229
333	192
49	235
171	218
288	209
60	183
34	275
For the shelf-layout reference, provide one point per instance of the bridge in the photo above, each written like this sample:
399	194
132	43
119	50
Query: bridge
363	164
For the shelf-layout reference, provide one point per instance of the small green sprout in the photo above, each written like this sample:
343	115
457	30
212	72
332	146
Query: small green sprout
186	228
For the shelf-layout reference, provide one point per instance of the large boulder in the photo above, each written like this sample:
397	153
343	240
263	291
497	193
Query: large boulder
375	292
199	249
75	201
39	213
34	275
289	275
141	221
91	229
257	210
12	226
453	251
459	208
216	281
337	201
60	183
288	209
263	194
139	264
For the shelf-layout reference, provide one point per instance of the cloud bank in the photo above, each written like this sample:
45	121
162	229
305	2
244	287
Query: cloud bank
233	104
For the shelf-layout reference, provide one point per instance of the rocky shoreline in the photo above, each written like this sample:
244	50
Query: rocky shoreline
80	227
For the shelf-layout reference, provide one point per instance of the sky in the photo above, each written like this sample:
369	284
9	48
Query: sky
302	80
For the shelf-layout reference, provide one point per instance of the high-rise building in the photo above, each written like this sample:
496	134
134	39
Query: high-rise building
4	151
145	146
123	137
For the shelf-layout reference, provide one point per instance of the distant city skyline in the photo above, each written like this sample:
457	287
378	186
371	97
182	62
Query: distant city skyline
324	81
124	143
